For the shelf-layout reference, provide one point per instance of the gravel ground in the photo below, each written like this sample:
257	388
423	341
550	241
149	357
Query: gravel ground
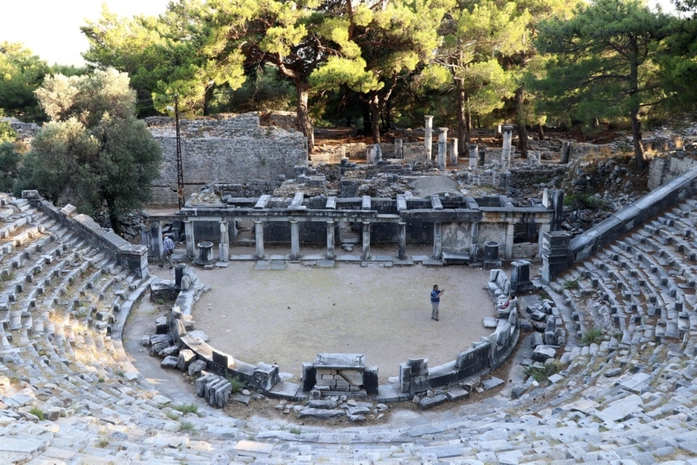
286	317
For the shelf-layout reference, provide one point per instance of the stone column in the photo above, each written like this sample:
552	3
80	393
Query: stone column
565	151
224	246
259	238
155	245
508	246
544	228
474	155
402	239
377	150
558	209
437	241
428	137
366	240
506	153
190	240
330	240
398	149
474	247
442	147
454	151
294	240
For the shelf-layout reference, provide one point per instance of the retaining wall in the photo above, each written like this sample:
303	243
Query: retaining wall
133	257
484	357
666	196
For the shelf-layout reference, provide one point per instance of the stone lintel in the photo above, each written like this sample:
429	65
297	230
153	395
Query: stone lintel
297	202
263	201
401	202
436	203
340	361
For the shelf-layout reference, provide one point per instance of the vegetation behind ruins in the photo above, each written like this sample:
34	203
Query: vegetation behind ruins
373	66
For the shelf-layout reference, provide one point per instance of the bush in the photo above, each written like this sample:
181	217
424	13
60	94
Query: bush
235	383
541	374
592	336
37	413
186	408
186	426
587	201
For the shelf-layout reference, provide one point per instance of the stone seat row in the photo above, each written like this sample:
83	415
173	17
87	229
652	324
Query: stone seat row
586	415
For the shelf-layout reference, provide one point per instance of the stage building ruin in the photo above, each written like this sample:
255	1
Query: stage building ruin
460	229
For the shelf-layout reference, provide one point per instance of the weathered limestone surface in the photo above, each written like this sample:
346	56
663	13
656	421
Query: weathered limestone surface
225	149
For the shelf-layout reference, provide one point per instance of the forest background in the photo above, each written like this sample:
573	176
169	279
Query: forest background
372	64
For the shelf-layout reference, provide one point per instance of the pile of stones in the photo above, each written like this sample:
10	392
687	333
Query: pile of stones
334	407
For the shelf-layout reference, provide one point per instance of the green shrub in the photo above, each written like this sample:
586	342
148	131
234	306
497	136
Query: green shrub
186	408
235	383
541	374
586	201
37	413
186	426
571	285
592	336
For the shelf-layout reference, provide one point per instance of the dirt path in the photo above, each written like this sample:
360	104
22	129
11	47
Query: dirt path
287	317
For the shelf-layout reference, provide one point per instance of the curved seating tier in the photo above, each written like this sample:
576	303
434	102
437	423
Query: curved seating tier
628	397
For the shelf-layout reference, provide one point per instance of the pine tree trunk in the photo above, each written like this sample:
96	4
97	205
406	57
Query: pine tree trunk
636	140
522	130
387	116
113	217
540	132
304	122
375	118
366	118
207	97
462	132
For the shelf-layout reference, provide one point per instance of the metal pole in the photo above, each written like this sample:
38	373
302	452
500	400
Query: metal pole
180	170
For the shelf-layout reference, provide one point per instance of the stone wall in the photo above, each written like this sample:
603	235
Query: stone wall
25	131
132	257
338	373
232	149
663	169
411	151
632	216
582	150
526	177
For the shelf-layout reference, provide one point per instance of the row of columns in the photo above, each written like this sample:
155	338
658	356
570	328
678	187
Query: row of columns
506	152
224	244
442	159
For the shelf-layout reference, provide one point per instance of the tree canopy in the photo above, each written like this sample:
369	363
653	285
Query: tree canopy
375	60
93	152
21	72
603	62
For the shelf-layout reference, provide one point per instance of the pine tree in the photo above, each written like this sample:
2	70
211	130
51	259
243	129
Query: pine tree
603	62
